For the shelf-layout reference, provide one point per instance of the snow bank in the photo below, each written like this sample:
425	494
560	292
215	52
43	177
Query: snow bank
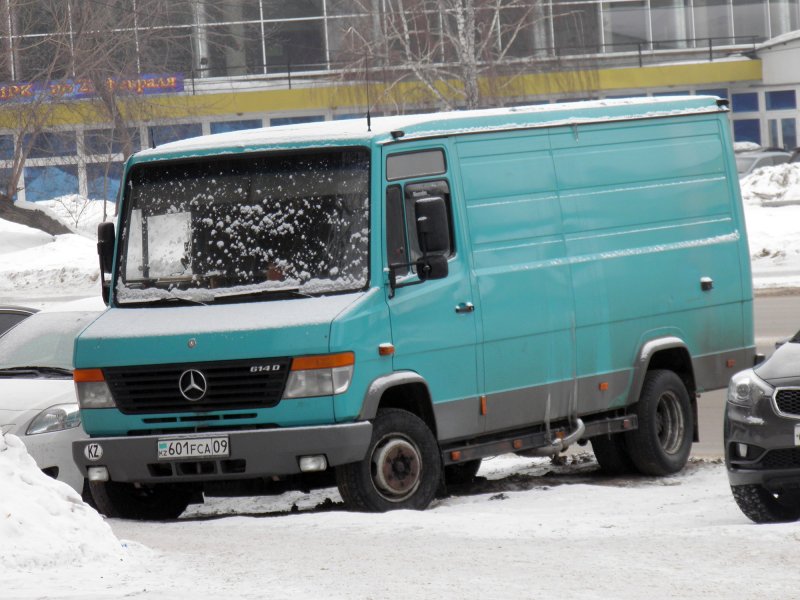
43	522
771	198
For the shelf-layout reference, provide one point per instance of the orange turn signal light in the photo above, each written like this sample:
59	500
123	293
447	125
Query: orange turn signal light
323	361
87	375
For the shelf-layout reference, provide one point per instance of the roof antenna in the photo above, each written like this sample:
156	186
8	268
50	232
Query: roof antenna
366	75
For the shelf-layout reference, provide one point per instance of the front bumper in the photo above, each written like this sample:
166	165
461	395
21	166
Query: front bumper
253	454
772	457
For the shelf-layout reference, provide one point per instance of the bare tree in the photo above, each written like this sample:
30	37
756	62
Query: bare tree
459	53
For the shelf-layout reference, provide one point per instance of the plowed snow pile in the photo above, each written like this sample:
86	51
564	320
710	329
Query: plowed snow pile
43	522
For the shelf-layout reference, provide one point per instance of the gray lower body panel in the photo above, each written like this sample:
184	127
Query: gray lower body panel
253	453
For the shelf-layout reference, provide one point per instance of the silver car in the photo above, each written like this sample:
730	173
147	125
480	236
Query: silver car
747	162
37	395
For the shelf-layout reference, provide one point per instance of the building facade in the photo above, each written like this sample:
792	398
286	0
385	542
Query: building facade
223	66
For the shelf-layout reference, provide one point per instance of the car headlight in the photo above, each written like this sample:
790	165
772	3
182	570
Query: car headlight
92	389
324	375
747	389
55	418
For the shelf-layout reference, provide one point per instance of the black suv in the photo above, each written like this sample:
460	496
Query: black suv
762	436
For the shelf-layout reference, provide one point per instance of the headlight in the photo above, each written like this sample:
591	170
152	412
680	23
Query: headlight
56	418
746	388
92	389
324	375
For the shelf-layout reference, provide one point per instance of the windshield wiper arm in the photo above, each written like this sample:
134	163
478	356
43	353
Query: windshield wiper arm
291	292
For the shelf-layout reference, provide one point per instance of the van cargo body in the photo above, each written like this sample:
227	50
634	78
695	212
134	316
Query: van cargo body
391	304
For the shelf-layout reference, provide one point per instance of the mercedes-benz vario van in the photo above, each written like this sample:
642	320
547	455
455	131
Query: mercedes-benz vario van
390	302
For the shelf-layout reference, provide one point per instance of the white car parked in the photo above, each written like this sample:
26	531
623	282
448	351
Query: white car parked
37	395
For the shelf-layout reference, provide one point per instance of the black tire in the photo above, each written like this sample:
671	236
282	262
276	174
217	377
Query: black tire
662	443
612	454
126	501
402	469
761	506
462	473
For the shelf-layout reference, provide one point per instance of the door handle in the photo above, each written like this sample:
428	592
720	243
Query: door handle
465	307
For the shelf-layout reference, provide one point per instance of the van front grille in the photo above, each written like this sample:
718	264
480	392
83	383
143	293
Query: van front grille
227	385
788	400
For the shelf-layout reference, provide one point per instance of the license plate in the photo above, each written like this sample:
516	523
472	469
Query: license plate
207	447
797	434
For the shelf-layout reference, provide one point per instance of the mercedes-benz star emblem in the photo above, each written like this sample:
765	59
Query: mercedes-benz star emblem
193	385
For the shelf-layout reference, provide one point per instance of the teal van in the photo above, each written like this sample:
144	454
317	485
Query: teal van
388	302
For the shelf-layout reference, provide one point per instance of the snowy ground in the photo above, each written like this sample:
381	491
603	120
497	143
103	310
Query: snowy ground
526	529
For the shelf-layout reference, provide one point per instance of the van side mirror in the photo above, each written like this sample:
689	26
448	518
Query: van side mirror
433	230
432	267
105	250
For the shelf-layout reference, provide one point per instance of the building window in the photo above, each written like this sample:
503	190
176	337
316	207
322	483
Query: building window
747	102
44	183
162	134
50	144
747	130
295	120
780	100
102	180
749	21
107	141
720	93
225	126
625	25
6	147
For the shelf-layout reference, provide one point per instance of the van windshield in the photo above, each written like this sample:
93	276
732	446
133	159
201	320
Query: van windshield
254	226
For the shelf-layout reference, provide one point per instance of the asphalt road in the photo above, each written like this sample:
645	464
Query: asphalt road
776	317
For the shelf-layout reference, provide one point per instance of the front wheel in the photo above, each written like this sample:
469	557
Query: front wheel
127	501
662	443
762	506
402	469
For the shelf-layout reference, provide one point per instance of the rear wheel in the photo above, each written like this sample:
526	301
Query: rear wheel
662	443
762	506
127	501
402	469
612	454
462	473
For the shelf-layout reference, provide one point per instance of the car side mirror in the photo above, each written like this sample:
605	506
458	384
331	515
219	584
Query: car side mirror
432	267
433	230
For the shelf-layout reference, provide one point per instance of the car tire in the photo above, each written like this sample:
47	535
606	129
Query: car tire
402	468
462	473
612	454
663	440
761	506
127	501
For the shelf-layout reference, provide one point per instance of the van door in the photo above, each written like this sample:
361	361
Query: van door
433	322
523	278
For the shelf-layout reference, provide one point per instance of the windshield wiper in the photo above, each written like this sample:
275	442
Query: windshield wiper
55	372
287	292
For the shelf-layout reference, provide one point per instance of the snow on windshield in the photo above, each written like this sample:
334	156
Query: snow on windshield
216	228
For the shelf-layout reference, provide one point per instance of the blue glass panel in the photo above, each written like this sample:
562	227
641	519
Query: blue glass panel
6	147
789	127
747	102
105	141
44	183
296	120
48	144
225	126
721	92
102	180
781	100
747	130
162	134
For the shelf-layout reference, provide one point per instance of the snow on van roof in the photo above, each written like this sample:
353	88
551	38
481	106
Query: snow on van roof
355	131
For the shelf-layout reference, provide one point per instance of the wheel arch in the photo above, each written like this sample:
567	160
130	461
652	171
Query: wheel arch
405	390
672	354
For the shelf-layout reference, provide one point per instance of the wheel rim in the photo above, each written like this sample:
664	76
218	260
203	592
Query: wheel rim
670	423
396	467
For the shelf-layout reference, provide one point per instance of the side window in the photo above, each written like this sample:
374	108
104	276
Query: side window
401	221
